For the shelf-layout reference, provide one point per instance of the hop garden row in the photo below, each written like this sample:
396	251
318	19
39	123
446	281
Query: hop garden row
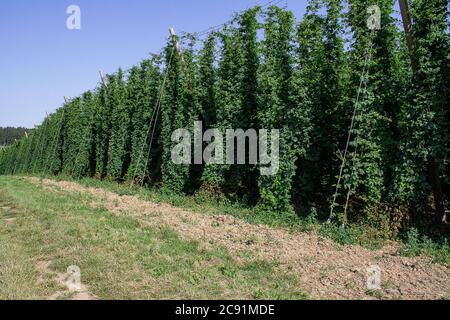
265	70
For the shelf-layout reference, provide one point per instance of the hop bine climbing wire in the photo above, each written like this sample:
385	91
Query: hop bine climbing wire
362	87
200	34
152	125
153	120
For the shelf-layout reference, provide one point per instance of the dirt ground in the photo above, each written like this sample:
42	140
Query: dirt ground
326	270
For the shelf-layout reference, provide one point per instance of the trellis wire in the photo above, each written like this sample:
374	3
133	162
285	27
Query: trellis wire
355	109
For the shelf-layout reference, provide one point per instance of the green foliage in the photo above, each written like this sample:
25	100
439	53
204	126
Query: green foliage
144	84
24	165
120	142
281	107
39	146
324	76
103	130
412	247
261	71
56	132
207	77
367	175
84	164
228	101
72	138
178	108
422	123
237	103
416	245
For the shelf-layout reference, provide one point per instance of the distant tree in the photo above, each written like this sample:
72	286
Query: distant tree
9	134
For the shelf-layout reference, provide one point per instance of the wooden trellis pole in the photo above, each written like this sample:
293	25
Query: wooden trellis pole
177	46
407	25
179	51
102	78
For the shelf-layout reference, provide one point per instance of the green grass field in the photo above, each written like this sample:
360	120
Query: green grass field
135	243
118	256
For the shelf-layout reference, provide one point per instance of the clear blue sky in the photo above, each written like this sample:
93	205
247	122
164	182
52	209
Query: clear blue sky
41	60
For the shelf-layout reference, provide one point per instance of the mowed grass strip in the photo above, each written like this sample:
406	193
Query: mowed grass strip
119	257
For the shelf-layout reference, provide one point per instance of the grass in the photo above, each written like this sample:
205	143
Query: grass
119	257
204	204
350	235
416	245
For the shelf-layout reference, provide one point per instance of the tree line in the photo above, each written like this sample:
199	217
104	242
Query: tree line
266	70
8	135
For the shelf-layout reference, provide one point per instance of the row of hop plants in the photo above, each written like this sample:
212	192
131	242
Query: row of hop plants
265	70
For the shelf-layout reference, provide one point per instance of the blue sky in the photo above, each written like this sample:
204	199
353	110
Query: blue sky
41	60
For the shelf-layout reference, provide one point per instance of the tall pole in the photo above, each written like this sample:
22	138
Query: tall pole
177	47
433	170
102	78
407	25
